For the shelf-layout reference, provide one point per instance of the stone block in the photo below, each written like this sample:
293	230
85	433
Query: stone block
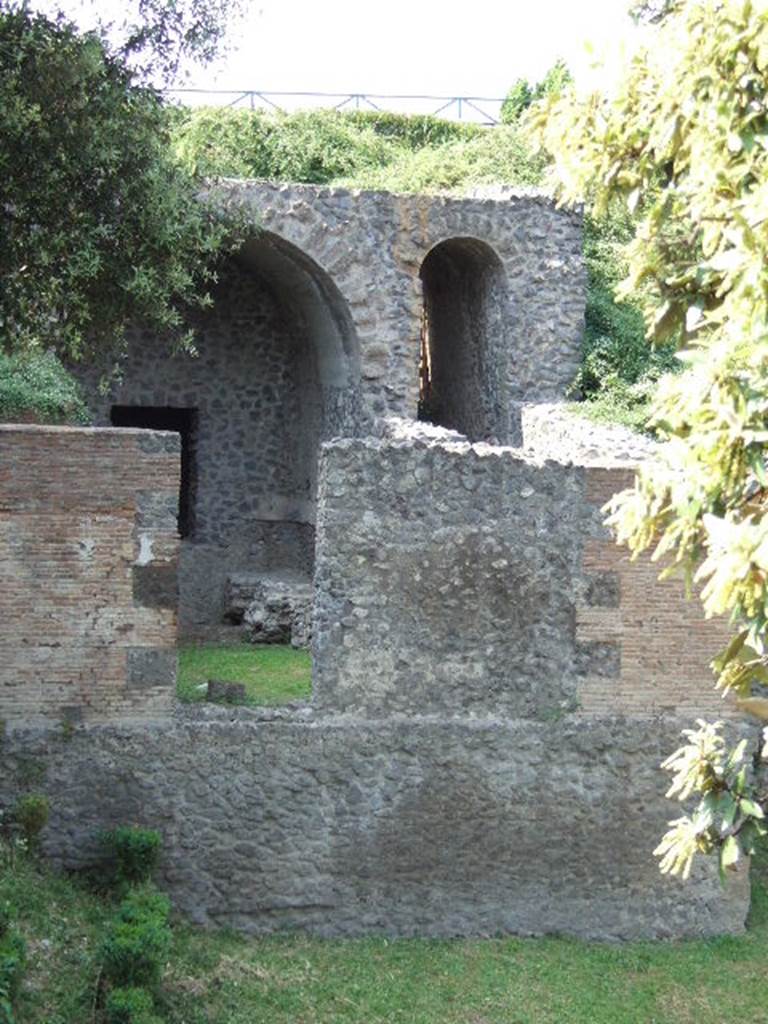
223	690
275	608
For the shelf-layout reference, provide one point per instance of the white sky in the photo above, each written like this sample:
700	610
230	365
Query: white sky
405	46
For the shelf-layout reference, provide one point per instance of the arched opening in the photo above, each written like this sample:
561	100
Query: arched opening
464	349
277	372
318	388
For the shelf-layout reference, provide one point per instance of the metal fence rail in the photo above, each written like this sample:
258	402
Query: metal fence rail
456	108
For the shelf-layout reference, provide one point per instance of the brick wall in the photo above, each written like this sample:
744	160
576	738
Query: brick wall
663	644
88	559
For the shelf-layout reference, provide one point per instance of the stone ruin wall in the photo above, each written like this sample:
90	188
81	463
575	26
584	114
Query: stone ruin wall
493	693
493	685
471	578
331	270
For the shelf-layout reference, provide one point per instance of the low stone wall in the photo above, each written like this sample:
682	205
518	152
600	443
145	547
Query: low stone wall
405	826
550	430
88	553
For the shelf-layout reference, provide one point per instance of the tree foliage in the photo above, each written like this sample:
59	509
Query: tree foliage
160	36
684	142
158	39
523	94
99	224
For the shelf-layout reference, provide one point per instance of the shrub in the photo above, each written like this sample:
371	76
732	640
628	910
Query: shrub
494	156
309	146
144	903
36	386
620	370
360	149
137	940
416	131
13	957
135	851
31	814
129	1006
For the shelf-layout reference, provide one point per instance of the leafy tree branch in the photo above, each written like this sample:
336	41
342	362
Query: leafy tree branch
99	224
683	143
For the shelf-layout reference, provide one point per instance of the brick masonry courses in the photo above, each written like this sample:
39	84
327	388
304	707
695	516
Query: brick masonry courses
88	558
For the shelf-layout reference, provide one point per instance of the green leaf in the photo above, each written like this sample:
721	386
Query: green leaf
730	652
729	852
757	465
740	782
729	807
751	808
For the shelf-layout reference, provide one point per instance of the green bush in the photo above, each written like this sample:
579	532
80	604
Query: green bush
31	814
135	852
144	903
314	147
35	386
129	1006
137	940
620	370
13	958
361	149
414	131
494	156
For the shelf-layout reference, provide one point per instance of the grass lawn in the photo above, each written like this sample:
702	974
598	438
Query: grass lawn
222	978
272	674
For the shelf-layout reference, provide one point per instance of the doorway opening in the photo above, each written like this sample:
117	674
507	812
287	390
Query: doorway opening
183	422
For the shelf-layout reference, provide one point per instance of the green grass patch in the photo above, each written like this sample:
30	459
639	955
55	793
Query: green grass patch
272	674
224	978
62	925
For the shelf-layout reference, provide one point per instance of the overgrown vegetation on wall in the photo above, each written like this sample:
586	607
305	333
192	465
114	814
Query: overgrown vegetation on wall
358	149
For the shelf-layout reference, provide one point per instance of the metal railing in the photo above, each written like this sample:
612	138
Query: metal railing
458	108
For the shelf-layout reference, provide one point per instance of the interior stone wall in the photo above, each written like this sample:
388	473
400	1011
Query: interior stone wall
261	411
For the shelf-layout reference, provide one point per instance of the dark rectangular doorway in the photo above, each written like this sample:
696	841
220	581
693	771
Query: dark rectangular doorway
184	422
